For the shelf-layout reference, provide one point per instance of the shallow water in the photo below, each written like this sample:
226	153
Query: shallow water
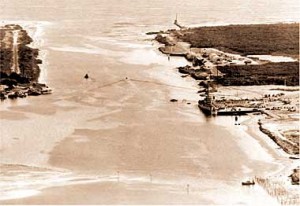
273	58
111	124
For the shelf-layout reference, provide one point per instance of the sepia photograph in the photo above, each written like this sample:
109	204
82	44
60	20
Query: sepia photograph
149	102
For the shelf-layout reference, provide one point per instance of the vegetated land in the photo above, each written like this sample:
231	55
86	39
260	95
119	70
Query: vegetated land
283	73
280	39
6	53
19	64
259	39
27	57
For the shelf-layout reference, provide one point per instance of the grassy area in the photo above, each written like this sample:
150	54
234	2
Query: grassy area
260	39
284	73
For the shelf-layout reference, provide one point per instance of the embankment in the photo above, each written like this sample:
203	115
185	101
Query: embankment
287	146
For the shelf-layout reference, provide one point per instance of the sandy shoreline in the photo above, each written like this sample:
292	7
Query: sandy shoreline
160	190
173	45
51	195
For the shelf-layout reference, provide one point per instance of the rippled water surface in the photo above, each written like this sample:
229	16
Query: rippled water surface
90	131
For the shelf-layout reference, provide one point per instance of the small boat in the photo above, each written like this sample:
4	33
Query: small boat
248	182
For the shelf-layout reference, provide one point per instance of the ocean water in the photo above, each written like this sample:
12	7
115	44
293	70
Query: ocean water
87	131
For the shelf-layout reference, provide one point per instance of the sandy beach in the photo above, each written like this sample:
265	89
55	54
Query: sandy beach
276	107
147	164
116	138
107	128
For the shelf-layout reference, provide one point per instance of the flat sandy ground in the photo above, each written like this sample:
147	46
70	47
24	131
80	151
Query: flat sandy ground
156	146
114	141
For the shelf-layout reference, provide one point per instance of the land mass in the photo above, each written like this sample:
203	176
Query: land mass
260	39
235	61
233	54
19	65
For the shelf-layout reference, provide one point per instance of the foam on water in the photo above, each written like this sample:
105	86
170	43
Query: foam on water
85	50
272	58
19	181
148	57
222	23
15	194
